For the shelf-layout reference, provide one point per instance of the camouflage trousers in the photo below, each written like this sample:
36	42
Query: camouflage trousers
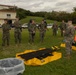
54	32
31	37
17	36
68	44
42	35
62	33
5	39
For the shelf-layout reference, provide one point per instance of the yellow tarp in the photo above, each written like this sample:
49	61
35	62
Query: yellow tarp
36	61
63	45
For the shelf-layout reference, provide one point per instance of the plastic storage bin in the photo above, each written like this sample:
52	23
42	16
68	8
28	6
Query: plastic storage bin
11	66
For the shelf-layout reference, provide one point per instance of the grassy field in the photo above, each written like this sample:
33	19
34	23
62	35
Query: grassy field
37	19
59	67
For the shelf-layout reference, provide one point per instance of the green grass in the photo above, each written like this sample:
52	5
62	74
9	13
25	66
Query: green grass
59	67
37	19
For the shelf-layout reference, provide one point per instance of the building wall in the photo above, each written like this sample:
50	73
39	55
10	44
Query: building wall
5	15
4	7
2	21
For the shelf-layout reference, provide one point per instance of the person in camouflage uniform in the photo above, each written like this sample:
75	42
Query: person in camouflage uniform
6	34
62	27
17	31
42	29
69	37
29	23
55	28
32	31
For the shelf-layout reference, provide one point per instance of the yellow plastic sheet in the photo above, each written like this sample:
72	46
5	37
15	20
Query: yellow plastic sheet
73	47
36	61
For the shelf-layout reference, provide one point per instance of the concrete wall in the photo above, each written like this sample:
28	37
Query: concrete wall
3	15
4	7
1	22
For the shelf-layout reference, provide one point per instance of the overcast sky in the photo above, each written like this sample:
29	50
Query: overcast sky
42	5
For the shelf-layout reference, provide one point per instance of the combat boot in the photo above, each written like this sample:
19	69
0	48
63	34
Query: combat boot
68	56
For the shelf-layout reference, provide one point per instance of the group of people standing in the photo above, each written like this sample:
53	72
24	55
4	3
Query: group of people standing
62	27
18	29
67	30
32	30
6	32
68	33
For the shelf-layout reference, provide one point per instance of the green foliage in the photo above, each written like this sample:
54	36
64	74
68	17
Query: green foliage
21	13
74	9
73	15
54	15
37	19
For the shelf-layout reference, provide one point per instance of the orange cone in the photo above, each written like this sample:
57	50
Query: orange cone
75	38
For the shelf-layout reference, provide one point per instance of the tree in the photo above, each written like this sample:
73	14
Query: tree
74	9
20	13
